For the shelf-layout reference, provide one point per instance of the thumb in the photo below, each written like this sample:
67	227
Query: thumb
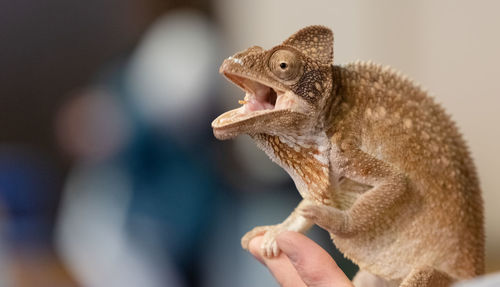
313	264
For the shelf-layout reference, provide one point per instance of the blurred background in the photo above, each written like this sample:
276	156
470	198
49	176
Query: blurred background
109	173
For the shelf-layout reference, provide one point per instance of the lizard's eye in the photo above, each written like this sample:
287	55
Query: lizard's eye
285	65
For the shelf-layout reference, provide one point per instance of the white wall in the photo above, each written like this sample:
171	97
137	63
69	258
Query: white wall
451	47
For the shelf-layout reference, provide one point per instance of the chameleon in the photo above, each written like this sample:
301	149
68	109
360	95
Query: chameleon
378	163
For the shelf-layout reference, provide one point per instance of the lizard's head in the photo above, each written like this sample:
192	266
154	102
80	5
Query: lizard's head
286	87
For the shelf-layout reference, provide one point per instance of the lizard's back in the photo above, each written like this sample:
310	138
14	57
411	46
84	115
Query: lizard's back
398	123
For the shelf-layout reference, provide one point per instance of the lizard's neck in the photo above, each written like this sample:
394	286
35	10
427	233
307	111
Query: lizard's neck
334	103
305	158
342	98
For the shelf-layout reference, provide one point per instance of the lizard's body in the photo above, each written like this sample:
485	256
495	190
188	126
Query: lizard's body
378	163
440	216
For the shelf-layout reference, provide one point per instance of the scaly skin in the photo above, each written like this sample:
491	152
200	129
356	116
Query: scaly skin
380	165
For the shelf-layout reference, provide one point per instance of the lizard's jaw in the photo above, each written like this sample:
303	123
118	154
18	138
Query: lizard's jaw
262	105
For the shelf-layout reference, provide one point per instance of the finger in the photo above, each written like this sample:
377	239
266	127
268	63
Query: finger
313	264
281	267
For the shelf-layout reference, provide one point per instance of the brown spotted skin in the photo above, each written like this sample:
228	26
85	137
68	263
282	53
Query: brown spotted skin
379	164
313	173
390	125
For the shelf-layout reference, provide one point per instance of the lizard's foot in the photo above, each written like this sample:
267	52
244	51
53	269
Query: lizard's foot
327	217
257	231
269	245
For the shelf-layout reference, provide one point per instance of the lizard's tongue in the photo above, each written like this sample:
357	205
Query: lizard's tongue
262	99
255	105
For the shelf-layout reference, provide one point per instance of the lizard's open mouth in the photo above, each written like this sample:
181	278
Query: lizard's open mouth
261	102
258	96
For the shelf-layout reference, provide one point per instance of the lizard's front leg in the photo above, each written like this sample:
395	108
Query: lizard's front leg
294	222
389	188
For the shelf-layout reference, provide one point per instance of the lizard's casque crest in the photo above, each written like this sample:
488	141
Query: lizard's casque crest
315	42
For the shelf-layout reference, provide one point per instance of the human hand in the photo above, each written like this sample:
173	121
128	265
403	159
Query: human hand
301	262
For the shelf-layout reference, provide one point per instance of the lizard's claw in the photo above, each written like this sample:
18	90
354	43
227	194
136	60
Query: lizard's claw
269	246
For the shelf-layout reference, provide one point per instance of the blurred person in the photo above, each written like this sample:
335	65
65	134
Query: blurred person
139	200
49	49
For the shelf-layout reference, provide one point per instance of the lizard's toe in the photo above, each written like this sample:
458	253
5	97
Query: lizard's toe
269	244
257	231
